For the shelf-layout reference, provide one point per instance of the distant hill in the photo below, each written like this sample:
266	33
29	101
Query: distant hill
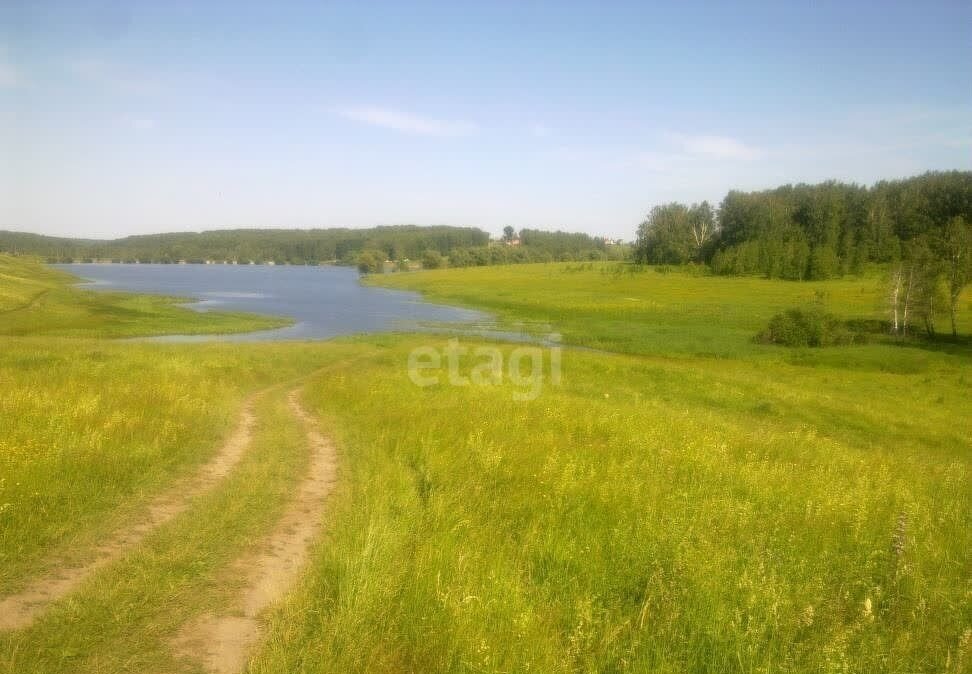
291	246
460	246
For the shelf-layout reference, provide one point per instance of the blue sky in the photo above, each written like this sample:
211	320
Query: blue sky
120	118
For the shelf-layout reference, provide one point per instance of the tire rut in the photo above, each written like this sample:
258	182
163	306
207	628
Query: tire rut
222	642
20	609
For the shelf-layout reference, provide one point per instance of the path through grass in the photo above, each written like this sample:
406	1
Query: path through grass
699	502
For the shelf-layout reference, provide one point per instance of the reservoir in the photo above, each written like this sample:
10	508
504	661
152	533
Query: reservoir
324	302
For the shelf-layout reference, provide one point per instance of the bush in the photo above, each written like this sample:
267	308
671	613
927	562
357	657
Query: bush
811	326
370	261
459	257
432	259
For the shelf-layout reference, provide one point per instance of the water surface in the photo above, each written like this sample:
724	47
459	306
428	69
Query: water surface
324	301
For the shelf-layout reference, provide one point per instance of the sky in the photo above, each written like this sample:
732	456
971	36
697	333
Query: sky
122	118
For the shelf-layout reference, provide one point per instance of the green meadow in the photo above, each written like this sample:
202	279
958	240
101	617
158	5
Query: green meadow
682	499
651	310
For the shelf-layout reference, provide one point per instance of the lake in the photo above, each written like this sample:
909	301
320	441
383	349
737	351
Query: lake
324	301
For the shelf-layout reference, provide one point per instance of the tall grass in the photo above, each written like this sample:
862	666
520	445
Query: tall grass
91	429
648	515
126	618
703	503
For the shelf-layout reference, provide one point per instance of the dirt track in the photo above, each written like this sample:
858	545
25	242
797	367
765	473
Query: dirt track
224	641
20	609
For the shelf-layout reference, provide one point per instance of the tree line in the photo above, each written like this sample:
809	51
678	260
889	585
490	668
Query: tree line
920	227
807	231
281	246
525	246
371	249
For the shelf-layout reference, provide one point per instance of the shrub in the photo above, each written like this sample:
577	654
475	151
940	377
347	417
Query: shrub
370	262
810	326
432	259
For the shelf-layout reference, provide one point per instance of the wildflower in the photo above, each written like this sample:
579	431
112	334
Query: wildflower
868	612
963	646
899	539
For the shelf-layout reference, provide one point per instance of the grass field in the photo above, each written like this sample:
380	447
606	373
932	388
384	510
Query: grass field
647	310
693	502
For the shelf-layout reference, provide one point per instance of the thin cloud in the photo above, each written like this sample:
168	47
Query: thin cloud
143	124
570	154
9	76
907	127
657	162
541	130
406	123
908	115
716	147
109	75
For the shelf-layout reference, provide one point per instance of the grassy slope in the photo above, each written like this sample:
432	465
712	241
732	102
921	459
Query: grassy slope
92	429
650	514
123	620
36	300
88	426
626	309
728	513
731	513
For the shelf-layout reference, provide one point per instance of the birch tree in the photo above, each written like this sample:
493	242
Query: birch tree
894	295
956	252
703	225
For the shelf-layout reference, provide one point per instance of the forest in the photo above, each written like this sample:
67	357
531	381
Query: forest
290	246
811	231
919	228
433	246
